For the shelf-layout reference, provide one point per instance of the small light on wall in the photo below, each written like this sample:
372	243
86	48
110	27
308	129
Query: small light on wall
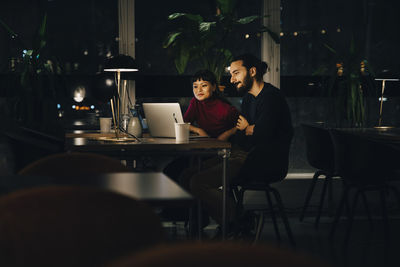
323	31
73	106
92	107
338	30
247	36
281	34
86	52
295	33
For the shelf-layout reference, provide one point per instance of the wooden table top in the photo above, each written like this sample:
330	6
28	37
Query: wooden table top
95	141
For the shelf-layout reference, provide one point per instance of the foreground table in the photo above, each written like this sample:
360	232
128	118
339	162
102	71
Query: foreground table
154	188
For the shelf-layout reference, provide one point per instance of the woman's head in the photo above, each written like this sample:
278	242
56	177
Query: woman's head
204	84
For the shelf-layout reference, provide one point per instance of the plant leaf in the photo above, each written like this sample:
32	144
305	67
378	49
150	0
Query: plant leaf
193	17
247	20
181	60
206	26
226	6
171	38
330	49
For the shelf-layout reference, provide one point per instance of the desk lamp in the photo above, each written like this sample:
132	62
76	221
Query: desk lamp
384	77
119	64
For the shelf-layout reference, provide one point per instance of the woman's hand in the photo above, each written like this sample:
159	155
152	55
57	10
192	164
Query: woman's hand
197	130
242	123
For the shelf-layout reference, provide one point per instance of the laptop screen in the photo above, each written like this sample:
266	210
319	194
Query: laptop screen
160	118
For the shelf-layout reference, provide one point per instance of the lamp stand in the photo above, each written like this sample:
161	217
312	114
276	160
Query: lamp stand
381	105
380	127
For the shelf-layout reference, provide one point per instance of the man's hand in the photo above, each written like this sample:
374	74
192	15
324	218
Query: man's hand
250	130
242	123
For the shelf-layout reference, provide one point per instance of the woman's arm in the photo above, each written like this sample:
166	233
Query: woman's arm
197	130
228	133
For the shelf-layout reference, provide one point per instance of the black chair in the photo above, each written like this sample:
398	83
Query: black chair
29	145
239	192
364	165
320	155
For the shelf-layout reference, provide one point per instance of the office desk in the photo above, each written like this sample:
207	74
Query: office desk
154	188
130	149
389	137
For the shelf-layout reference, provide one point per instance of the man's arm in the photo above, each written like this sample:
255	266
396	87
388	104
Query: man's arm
228	133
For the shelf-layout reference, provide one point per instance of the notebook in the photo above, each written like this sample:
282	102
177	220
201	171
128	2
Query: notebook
160	118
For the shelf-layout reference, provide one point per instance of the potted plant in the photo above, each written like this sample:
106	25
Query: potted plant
34	104
349	84
206	42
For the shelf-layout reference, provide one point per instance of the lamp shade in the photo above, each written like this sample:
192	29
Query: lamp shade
122	63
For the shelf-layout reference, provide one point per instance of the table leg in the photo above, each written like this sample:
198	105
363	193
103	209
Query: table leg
225	154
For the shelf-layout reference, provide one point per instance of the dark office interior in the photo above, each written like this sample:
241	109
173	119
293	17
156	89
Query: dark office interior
338	68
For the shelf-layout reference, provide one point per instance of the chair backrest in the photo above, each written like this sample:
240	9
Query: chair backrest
34	144
357	157
319	147
217	254
73	163
73	226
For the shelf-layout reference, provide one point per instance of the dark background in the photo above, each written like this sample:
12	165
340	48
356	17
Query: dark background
81	34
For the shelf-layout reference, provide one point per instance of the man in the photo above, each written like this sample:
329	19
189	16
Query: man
262	140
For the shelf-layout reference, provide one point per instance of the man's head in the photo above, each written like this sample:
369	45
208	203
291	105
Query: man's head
245	69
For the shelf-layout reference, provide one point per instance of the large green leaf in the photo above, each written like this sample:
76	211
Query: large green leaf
247	20
171	38
193	17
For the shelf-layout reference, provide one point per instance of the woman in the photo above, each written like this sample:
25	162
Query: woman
212	114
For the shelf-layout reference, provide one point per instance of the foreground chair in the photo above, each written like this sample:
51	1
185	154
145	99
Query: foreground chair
219	255
364	165
320	155
73	226
73	163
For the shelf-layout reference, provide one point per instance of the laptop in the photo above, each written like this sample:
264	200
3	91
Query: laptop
160	118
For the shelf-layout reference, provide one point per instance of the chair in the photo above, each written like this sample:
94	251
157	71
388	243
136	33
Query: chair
239	192
364	165
73	163
29	145
219	254
320	155
73	226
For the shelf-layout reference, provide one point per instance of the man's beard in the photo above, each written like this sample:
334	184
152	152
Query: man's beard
246	84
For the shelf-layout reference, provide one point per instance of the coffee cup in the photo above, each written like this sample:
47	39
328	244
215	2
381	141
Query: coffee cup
105	125
182	132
